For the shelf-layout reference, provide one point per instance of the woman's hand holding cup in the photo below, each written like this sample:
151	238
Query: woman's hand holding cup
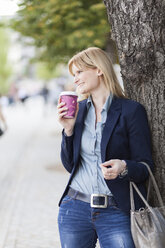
67	113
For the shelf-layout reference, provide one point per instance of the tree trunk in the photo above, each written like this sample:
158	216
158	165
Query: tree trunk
138	27
111	49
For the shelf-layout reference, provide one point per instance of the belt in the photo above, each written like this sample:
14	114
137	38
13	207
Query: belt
95	200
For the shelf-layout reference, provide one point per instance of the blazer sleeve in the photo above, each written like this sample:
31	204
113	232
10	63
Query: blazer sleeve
67	151
139	145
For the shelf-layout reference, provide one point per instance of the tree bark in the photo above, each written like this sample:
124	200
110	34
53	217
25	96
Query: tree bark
138	27
111	49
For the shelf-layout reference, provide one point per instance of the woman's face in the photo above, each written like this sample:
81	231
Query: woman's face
86	80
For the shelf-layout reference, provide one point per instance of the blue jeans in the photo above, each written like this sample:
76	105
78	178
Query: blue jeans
80	226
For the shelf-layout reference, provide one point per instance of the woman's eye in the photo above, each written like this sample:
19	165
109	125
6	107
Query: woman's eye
77	73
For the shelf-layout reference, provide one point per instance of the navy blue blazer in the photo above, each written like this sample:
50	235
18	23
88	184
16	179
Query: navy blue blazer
125	136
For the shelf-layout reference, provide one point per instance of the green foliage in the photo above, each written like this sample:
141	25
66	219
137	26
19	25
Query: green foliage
62	27
43	71
5	67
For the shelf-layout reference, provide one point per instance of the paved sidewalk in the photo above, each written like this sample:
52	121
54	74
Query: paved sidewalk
31	177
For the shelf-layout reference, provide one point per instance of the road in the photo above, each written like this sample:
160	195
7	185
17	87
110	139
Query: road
32	178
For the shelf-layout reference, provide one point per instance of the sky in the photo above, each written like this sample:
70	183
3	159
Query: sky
8	7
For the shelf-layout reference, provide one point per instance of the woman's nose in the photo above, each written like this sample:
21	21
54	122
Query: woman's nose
75	79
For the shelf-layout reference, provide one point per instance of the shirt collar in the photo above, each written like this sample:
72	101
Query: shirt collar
89	102
106	104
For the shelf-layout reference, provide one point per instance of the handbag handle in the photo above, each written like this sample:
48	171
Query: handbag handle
139	193
132	184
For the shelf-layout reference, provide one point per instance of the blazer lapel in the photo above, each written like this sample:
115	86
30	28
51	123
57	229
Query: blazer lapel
78	129
112	118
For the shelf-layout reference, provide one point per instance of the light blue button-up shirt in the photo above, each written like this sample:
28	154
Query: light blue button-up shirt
89	177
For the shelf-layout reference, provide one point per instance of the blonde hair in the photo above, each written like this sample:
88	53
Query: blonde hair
93	58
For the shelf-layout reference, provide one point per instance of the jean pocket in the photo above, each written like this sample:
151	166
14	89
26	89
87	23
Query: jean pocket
116	208
66	200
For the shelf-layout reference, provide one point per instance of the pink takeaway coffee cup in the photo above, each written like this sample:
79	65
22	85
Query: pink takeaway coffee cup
70	99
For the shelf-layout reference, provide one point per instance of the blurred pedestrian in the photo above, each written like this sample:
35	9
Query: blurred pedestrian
12	94
45	93
3	124
22	95
102	148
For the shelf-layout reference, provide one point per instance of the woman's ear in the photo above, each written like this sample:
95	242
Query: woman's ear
99	72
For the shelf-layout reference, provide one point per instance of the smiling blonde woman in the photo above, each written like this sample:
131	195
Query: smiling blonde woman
102	148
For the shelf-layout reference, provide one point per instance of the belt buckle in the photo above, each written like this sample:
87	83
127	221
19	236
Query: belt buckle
96	205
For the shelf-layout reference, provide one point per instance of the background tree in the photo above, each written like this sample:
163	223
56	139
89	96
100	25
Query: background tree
44	72
5	67
138	27
60	28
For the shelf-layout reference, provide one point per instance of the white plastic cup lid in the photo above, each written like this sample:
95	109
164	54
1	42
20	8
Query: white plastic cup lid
68	93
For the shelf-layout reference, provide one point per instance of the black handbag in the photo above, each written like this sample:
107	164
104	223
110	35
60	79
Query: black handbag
1	131
148	224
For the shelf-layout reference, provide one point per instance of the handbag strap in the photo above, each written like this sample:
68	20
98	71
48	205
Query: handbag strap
152	179
133	185
149	188
139	193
